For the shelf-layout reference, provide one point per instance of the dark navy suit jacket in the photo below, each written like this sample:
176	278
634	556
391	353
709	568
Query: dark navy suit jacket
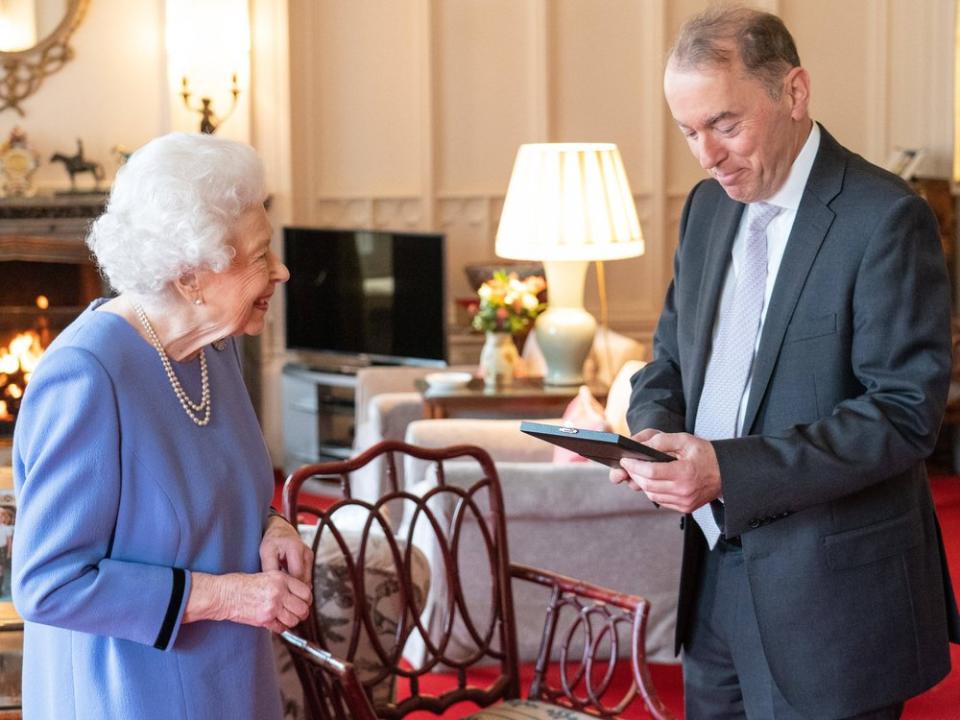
827	488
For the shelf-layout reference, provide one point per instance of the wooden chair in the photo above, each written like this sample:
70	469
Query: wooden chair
591	635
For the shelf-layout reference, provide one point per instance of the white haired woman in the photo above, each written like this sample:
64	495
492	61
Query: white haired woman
147	561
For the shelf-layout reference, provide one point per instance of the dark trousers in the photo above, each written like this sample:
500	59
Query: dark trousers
725	674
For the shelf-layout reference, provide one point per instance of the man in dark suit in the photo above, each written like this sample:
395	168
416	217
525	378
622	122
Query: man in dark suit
800	372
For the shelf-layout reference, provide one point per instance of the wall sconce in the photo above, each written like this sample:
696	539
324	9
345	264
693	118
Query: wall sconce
209	122
208	61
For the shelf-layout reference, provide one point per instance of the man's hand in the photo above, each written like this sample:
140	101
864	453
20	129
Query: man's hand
282	549
619	475
692	480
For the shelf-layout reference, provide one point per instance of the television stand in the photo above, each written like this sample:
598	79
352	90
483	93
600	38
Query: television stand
319	396
318	414
319	411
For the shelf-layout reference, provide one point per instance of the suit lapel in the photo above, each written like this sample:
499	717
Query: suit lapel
810	227
724	228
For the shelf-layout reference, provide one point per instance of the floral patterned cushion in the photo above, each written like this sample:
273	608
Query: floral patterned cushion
527	710
334	603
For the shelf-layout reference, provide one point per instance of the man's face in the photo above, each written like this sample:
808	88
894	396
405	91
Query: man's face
737	132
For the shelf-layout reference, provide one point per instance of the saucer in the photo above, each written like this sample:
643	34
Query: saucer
448	380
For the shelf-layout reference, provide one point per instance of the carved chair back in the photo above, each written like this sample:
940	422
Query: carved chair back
396	632
358	530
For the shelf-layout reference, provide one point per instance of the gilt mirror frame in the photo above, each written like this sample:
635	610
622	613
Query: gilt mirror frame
23	71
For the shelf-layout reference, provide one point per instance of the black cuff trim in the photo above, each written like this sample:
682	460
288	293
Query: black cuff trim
173	609
276	513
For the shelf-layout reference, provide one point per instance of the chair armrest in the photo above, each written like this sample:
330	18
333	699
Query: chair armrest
327	681
596	623
570	490
581	588
373	381
502	439
387	417
376	380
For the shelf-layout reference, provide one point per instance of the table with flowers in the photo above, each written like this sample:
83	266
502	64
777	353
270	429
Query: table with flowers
526	397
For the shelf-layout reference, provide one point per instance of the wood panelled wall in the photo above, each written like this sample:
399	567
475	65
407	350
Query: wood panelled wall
407	114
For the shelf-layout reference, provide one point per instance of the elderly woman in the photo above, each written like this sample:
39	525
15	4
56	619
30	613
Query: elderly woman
147	563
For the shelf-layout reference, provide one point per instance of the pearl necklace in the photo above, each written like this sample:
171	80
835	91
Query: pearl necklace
189	407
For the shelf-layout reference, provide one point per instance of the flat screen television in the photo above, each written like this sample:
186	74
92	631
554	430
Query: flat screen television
366	296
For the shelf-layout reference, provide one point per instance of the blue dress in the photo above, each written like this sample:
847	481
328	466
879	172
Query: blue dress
120	496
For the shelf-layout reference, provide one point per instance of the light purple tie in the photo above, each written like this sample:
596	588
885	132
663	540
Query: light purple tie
732	357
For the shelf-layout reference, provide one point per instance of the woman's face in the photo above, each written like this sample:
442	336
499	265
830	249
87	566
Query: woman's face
237	299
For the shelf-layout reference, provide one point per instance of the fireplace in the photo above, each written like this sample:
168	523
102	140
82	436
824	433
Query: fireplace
47	278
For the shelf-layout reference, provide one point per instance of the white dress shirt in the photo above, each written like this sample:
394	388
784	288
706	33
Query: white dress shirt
778	232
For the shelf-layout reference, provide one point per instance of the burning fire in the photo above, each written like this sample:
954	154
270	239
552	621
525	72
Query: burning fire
17	363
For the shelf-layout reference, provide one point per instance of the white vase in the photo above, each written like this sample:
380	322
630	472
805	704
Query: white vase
498	358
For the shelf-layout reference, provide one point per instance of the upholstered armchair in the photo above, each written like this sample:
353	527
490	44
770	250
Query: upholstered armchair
386	402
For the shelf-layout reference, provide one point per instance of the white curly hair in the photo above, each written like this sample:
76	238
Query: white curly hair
171	208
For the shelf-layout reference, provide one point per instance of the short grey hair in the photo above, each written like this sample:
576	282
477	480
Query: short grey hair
171	208
721	35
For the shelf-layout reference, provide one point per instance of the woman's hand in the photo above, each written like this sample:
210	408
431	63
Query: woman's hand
272	599
282	549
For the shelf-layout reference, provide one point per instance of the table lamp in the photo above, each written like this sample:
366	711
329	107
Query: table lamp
568	204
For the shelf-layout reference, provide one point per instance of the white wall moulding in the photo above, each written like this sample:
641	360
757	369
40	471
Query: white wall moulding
487	97
878	56
469	223
938	125
367	101
397	213
465	210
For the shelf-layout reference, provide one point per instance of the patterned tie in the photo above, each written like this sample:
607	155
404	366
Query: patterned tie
732	357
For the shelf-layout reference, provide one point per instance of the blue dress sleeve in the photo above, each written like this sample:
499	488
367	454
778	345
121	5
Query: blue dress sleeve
67	474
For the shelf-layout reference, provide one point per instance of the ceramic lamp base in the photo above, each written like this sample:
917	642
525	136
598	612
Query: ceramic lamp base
565	331
565	336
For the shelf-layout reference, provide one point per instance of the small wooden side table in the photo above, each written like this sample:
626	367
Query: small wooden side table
525	397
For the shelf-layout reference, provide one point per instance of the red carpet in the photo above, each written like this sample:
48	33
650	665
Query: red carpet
941	702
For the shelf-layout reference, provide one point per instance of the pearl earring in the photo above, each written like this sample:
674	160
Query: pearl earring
198	301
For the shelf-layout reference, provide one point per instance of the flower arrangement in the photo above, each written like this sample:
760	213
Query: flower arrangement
507	303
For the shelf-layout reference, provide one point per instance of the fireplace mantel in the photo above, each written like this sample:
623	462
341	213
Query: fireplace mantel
48	228
47	278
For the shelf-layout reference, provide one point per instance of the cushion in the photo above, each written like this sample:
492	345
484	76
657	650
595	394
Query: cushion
583	412
333	600
534	364
527	710
618	398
